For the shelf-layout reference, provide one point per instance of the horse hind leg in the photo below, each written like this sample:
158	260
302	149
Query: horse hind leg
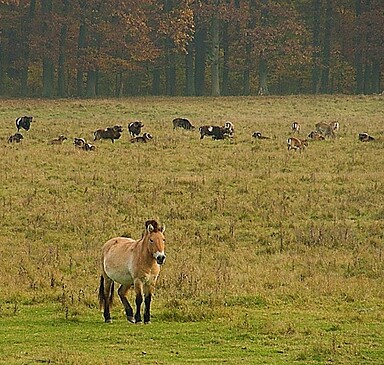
128	309
106	291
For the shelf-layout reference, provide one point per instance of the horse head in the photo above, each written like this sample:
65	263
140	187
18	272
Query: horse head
156	240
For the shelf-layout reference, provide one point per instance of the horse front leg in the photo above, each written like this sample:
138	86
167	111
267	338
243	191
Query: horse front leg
147	308
128	309
139	300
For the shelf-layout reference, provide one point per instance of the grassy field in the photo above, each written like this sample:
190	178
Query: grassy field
273	256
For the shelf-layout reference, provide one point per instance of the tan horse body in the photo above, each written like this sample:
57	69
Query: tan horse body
132	264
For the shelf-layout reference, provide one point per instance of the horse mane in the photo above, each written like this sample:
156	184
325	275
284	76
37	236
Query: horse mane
154	224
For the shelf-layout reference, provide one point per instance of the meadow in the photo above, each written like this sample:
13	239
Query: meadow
273	256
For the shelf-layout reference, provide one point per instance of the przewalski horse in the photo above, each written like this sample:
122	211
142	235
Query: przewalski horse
295	127
182	123
133	264
327	129
294	143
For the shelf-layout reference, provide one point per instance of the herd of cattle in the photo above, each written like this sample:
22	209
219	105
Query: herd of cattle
322	131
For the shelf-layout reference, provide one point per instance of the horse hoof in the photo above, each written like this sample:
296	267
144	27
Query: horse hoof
108	320
139	322
149	322
131	319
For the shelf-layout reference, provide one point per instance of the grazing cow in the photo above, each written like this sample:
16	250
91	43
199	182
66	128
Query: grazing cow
316	136
216	132
296	127
134	128
134	264
258	135
146	137
17	137
294	143
23	122
182	123
365	137
58	140
230	127
82	144
327	129
108	133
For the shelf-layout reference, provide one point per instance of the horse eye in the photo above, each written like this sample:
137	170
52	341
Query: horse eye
151	240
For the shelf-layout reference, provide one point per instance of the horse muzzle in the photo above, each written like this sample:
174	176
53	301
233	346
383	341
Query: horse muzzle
160	258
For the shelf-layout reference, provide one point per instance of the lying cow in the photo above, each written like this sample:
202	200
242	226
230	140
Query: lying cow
58	140
17	137
108	133
134	128
294	143
316	136
258	135
182	123
365	137
23	122
146	137
82	144
216	132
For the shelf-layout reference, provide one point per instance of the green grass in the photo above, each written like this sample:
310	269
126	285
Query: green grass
273	257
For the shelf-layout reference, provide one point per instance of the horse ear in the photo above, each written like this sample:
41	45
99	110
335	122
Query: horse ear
150	228
163	228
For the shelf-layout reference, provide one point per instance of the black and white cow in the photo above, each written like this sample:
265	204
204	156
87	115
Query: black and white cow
23	122
134	128
111	133
17	137
214	131
365	137
146	137
258	135
182	123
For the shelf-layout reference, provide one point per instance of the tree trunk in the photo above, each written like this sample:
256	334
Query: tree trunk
359	53
189	79
326	59
263	77
81	43
376	76
263	63
215	75
61	92
48	67
170	72
3	66
200	56
91	84
225	80
316	46
156	81
25	32
119	85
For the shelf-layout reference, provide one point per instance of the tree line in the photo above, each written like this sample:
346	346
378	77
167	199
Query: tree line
91	48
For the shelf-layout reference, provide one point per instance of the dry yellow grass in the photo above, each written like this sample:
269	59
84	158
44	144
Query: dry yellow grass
249	224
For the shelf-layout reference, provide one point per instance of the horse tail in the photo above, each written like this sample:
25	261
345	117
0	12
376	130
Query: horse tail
102	296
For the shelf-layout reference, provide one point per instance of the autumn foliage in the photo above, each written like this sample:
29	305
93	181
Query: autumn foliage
89	48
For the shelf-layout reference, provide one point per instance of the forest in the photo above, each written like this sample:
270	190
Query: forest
96	48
